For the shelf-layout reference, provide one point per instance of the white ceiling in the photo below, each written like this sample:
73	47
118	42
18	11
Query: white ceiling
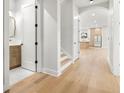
85	3
97	17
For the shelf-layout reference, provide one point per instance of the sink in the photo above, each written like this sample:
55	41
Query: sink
14	42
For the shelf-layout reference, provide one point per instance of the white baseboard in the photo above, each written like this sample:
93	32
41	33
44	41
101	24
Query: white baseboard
74	59
114	71
51	72
5	89
65	66
109	63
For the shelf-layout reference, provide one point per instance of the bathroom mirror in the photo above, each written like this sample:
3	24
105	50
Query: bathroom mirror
12	26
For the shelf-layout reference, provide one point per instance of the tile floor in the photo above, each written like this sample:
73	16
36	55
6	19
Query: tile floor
18	74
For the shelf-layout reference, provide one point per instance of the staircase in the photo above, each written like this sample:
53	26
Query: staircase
65	61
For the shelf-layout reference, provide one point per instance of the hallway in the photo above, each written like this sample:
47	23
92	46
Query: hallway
90	74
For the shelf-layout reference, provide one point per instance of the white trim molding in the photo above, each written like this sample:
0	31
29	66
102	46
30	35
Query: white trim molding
109	63
51	72
114	70
66	66
75	59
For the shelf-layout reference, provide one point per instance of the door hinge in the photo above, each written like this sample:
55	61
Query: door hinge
36	43
36	62
36	7
36	25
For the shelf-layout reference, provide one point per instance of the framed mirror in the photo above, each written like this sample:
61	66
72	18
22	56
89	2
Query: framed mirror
12	26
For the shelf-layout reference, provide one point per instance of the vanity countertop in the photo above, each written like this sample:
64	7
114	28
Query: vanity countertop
15	43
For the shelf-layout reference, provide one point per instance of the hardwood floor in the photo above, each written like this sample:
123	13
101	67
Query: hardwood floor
90	74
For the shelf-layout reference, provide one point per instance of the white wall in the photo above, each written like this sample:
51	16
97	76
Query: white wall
50	51
12	6
6	46
115	34
19	3
105	37
67	27
1	46
15	8
110	59
76	36
116	26
19	17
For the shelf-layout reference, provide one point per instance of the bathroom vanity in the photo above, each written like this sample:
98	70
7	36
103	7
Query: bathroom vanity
15	56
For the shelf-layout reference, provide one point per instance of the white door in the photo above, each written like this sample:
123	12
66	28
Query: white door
28	48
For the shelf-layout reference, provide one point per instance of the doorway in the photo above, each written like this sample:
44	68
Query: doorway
96	37
22	39
91	38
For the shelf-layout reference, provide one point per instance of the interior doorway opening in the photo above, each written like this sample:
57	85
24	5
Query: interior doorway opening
91	37
23	40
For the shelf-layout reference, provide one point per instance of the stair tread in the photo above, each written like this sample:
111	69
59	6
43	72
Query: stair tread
64	61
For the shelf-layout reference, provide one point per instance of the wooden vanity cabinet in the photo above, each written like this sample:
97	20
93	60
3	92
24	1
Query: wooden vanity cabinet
15	56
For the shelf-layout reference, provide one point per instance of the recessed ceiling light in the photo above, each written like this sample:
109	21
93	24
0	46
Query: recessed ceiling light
91	1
